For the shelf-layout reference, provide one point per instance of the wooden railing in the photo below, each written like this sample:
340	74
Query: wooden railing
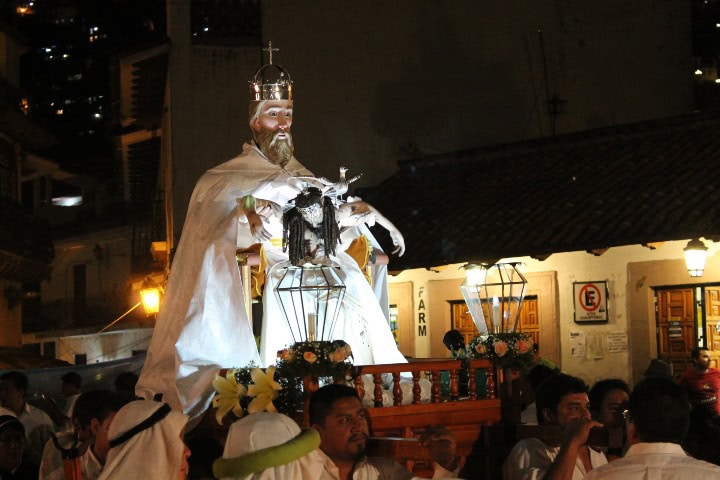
395	428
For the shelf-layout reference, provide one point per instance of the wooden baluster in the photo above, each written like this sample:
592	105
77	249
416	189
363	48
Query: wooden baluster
471	382
378	397
359	387
416	387
435	389
453	384
490	382
397	391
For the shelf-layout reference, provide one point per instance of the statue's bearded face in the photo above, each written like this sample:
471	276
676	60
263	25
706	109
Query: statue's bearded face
271	130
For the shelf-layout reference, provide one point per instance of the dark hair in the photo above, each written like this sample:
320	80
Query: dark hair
95	404
72	378
18	379
553	389
601	388
125	381
695	352
454	340
323	400
10	421
538	374
294	225
660	410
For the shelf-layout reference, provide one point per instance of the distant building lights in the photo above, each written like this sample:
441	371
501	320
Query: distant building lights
206	29
698	72
67	201
717	80
59	111
97	115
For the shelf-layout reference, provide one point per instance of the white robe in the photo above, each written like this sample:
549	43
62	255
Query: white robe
203	326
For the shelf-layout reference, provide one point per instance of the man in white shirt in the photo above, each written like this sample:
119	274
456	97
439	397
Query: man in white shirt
658	418
337	413
561	400
38	425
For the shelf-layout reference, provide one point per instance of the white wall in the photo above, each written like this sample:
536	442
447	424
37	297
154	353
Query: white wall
99	347
661	267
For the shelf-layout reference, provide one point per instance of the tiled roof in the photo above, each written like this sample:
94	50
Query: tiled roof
635	184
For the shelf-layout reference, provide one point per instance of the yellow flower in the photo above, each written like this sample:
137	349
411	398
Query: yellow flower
481	349
229	393
310	357
265	389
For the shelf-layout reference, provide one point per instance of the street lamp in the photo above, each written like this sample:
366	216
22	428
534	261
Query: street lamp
150	296
695	255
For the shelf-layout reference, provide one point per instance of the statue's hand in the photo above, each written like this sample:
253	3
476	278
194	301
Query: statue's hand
257	228
398	242
268	209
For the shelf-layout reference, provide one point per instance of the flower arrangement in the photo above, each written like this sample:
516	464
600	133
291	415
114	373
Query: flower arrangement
279	388
507	349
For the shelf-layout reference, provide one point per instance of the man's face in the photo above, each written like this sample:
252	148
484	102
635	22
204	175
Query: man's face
10	397
345	432
100	429
571	407
12	443
271	130
703	360
608	413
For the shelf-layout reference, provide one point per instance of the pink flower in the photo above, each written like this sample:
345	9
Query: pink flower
481	348
310	357
523	346
501	348
340	354
285	354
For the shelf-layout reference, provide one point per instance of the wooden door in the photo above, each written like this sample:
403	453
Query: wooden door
529	320
676	326
712	323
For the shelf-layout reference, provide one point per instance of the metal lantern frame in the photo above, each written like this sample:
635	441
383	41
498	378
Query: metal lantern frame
310	297
499	287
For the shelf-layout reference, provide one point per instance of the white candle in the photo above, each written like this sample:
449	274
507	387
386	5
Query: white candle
311	326
496	312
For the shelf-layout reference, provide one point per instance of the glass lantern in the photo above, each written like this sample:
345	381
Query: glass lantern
494	295
310	297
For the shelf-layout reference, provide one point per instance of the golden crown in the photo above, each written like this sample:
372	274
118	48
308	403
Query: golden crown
265	87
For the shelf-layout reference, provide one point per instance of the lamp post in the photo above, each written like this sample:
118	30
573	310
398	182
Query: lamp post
494	295
695	255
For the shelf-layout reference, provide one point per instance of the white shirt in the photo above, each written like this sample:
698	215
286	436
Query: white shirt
38	428
657	461
531	457
375	468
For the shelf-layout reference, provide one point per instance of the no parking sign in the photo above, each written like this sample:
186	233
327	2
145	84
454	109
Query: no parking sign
590	300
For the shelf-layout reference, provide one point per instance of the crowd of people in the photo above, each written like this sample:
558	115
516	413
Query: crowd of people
114	435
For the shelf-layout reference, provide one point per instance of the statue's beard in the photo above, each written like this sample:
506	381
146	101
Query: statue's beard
277	150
